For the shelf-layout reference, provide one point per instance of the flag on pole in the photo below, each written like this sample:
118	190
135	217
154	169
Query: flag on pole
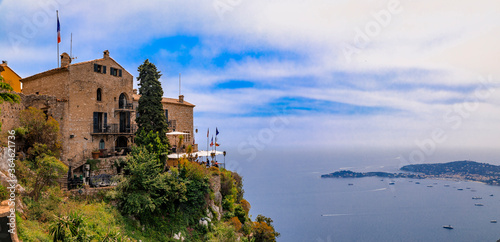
216	131
208	132
212	143
58	29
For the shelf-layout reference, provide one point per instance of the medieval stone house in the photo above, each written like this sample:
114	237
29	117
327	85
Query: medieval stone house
94	103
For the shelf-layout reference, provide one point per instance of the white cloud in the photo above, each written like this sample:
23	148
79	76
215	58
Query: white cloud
437	48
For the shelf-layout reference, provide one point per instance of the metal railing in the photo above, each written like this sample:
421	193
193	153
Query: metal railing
125	106
115	128
172	124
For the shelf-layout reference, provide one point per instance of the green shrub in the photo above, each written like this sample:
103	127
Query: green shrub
4	194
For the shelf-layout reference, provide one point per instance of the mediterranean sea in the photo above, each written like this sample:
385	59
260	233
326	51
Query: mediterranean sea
286	186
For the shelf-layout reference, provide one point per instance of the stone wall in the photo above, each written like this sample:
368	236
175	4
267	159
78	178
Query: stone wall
51	105
183	116
77	85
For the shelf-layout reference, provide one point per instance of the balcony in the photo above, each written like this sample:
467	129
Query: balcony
116	129
172	124
124	107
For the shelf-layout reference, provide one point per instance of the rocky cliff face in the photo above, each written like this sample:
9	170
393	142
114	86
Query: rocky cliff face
216	203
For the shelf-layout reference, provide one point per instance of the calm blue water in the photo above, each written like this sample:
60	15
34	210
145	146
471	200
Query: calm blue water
287	187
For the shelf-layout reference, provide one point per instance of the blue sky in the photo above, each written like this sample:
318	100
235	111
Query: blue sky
333	73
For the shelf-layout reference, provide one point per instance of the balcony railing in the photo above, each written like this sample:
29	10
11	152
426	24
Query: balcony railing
112	129
172	125
125	107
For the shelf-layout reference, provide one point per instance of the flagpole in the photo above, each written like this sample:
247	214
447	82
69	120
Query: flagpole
57	12
208	132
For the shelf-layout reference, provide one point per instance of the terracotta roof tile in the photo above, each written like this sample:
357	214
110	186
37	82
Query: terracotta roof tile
166	100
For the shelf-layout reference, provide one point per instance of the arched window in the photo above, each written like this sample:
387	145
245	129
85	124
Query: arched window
99	94
102	144
122	101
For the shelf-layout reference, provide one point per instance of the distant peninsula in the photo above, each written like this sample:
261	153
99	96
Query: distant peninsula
459	170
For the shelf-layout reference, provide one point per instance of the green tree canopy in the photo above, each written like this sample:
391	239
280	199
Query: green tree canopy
150	110
40	129
47	169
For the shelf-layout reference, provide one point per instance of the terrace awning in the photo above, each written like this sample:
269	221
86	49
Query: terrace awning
201	153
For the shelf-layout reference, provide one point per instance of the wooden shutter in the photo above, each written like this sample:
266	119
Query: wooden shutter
96	122
104	69
95	67
105	120
120	72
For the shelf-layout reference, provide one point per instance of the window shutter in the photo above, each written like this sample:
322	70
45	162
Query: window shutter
96	122
120	72
111	69
95	67
104	69
105	120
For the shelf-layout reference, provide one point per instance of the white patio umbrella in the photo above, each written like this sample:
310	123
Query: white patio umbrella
203	153
176	133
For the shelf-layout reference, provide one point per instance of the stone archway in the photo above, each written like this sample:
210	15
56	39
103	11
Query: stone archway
121	142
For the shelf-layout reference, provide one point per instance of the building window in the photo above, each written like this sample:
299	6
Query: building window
166	114
100	123
122	101
187	136
115	72
101	144
99	93
99	68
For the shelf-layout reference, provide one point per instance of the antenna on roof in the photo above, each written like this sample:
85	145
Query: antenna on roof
71	48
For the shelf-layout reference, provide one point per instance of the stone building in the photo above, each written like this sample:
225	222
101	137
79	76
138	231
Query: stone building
95	105
97	112
179	115
10	77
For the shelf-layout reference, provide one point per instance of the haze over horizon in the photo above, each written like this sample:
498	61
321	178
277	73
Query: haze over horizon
416	75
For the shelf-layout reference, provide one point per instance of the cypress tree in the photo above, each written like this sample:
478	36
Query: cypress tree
151	118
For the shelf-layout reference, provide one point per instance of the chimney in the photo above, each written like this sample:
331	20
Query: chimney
106	54
4	62
181	98
65	60
134	91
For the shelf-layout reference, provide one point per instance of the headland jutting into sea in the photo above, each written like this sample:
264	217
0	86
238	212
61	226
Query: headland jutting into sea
457	170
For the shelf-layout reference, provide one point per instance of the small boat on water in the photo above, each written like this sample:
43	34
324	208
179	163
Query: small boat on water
391	183
493	221
446	185
429	185
350	184
447	227
460	189
477	198
478	204
491	195
417	182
